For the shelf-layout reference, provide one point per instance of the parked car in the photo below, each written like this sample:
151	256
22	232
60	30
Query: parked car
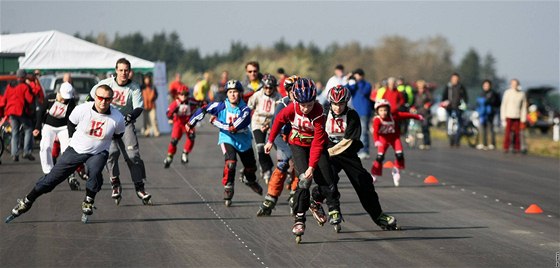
543	107
82	84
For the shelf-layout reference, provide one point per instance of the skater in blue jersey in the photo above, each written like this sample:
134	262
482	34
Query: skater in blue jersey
232	117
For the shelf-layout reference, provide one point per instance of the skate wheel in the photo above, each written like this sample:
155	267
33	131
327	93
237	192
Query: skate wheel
321	223
9	219
147	202
118	200
84	218
228	203
337	228
298	239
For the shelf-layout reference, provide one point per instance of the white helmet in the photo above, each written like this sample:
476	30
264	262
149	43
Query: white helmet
382	102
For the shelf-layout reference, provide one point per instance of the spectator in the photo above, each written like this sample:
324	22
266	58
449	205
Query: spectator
220	94
404	88
175	87
454	99
18	102
422	102
513	113
281	78
360	90
488	104
252	82
149	94
391	94
201	88
337	79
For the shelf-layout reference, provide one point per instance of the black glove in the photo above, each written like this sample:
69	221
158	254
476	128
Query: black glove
128	119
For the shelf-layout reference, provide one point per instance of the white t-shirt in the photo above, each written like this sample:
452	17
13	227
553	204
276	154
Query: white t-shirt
94	131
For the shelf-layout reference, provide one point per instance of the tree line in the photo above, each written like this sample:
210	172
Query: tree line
429	58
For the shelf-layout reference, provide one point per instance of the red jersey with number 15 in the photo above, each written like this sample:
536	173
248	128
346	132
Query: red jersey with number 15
308	130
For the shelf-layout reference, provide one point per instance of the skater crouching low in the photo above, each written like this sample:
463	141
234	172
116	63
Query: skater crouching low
343	127
307	141
92	127
232	117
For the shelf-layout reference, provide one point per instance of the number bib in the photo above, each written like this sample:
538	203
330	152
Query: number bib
267	106
120	96
97	128
387	127
58	110
336	127
302	124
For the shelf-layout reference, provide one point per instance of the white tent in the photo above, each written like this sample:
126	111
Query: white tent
53	50
56	51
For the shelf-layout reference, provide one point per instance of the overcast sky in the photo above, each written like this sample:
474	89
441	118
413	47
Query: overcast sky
522	35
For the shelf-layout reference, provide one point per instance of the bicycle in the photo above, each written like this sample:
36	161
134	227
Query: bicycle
468	130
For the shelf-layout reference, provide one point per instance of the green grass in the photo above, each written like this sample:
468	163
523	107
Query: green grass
537	144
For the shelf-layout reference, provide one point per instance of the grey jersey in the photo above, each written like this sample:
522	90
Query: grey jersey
125	98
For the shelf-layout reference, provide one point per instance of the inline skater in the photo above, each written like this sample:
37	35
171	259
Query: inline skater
283	156
92	127
263	104
386	132
180	111
128	100
232	117
52	121
307	141
344	128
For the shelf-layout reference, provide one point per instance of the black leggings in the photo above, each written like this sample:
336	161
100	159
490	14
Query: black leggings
247	158
264	159
323	177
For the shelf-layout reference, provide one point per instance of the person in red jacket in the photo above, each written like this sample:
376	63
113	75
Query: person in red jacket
18	100
391	94
308	140
386	132
180	112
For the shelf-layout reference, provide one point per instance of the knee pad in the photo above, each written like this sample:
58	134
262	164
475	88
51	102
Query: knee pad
260	147
283	165
230	165
316	194
399	156
380	158
174	142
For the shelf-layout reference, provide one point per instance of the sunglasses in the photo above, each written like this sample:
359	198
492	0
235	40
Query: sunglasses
252	71
108	99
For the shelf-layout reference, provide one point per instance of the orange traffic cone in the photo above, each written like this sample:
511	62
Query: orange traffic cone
533	209
388	164
431	180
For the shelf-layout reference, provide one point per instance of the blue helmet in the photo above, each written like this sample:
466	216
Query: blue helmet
304	90
234	84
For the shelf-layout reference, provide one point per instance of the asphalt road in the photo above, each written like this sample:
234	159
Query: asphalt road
474	217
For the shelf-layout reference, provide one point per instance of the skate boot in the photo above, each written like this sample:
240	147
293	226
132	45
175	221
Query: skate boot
117	189
299	227
184	158
145	197
267	206
335	219
255	186
228	194
266	176
167	161
87	208
81	170
73	183
289	180
387	222
396	176
318	212
22	206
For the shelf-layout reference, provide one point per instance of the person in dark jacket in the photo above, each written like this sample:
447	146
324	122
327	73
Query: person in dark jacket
454	99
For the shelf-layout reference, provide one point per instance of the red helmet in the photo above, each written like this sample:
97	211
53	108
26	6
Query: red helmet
338	94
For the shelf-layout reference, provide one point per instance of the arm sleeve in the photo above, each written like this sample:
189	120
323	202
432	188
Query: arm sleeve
376	125
244	120
171	109
42	114
353	126
136	112
523	117
212	108
252	103
137	101
71	128
405	115
279	121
